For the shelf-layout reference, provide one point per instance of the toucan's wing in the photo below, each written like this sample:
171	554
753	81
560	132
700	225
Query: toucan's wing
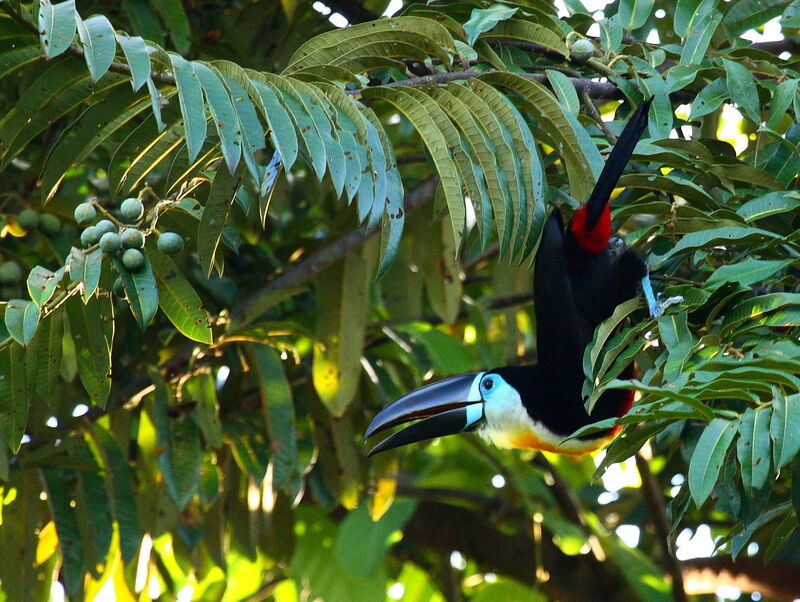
560	333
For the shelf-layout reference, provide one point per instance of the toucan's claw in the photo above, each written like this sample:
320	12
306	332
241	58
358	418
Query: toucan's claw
656	305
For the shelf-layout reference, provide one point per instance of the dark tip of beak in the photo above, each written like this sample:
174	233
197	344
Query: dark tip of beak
449	422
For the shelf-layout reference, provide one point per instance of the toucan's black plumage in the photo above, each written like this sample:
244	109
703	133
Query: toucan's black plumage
579	278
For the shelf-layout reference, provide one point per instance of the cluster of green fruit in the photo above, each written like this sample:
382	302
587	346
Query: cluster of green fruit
46	222
10	277
128	240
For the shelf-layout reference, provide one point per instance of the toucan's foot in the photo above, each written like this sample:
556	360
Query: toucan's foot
661	305
656	305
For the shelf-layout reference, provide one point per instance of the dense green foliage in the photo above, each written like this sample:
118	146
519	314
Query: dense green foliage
231	235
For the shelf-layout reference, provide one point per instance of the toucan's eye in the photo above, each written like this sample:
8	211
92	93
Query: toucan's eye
488	384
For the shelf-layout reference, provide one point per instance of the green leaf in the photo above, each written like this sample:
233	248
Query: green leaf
756	306
215	215
141	291
119	483
61	88
710	98
601	335
190	97
661	115
482	20
177	23
544	107
317	564
202	388
750	14
176	297
526	31
101	122
156	98
771	203
375	45
142	152
135	51
611	34
680	76
93	497
22	318
634	13
222	112
753	448
18	56
342	309
675	334
446	353
97	36
565	90
303	122
435	248
362	544
743	90
747	272
252	130
685	11
699	32
708	456
59	499
44	355
779	537
42	283
56	26
641	573
277	406
784	429
434	140
791	18
483	177
740	540
781	99
86	268
712	238
90	334
322	113
282	131
513	156
14	395
179	437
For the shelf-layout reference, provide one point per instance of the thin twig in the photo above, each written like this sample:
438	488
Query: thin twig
588	103
664	278
654	499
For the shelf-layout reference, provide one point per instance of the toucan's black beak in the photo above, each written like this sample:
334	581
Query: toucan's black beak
616	162
446	407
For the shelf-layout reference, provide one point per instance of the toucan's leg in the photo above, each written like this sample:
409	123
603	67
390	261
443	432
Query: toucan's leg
656	306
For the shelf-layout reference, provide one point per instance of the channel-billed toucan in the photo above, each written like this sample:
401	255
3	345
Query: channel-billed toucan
579	278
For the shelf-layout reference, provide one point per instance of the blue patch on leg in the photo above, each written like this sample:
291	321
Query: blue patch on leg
656	306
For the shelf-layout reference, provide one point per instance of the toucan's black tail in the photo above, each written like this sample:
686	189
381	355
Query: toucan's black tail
616	162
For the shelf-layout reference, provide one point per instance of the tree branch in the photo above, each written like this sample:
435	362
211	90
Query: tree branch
444	528
654	498
250	310
778	580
